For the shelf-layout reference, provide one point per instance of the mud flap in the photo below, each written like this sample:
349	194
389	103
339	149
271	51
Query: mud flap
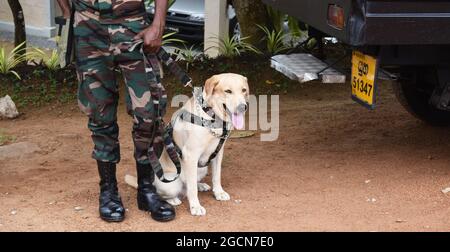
441	94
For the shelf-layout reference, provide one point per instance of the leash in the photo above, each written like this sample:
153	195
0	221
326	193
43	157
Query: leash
165	58
158	123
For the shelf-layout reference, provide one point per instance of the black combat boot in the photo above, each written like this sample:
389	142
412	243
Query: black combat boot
147	197
110	205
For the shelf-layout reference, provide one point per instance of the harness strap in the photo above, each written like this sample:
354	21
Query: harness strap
197	120
198	96
219	146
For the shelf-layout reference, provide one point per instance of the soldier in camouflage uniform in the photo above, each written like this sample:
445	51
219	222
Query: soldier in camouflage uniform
103	30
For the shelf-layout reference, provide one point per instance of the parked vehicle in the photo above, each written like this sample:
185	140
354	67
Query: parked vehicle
408	38
187	18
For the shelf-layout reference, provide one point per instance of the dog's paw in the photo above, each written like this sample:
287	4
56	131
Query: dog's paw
174	201
198	210
203	187
222	196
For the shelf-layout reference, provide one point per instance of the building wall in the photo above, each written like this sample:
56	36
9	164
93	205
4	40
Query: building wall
216	25
39	17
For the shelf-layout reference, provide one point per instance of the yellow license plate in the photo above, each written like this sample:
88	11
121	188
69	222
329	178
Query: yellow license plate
364	72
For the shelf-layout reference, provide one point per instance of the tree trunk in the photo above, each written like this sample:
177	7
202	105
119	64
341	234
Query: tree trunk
19	23
249	14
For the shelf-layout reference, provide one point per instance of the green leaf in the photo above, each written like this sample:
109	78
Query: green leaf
14	58
275	40
16	74
166	39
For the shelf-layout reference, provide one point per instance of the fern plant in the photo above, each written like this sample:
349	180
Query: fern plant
51	62
275	40
188	55
234	46
9	61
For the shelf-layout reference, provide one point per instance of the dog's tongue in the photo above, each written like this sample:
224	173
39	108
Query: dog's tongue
238	121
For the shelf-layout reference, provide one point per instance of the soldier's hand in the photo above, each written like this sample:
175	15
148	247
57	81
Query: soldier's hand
66	14
152	37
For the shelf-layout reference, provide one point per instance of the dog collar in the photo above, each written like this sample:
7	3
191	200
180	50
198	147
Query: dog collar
214	124
200	101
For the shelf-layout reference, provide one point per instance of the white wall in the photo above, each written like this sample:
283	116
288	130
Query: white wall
39	17
216	25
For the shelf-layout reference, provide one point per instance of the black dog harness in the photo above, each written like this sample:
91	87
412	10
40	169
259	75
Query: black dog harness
172	149
212	124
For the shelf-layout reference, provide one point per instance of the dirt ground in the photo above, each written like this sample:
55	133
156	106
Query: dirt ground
335	167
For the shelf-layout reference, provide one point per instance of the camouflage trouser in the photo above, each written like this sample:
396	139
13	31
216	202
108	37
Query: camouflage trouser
100	50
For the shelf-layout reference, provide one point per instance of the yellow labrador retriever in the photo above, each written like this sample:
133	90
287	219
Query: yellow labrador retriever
198	128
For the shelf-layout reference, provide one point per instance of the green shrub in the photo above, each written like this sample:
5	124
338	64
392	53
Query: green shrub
51	62
234	46
9	61
275	40
188	55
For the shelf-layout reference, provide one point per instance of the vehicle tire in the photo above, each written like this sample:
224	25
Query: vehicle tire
413	91
234	28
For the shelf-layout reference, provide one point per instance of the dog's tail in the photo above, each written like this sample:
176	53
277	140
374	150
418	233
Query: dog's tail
165	190
131	181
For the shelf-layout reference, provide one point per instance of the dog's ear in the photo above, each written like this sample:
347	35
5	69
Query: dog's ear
210	84
246	86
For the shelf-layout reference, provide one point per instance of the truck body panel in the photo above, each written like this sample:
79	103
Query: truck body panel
377	22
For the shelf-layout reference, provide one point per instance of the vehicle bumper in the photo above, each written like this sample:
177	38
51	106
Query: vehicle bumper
185	29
